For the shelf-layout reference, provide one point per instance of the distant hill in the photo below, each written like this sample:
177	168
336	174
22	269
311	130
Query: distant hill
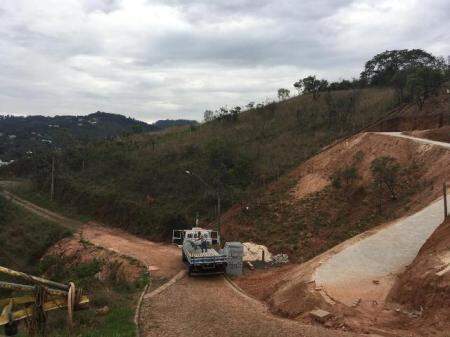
19	135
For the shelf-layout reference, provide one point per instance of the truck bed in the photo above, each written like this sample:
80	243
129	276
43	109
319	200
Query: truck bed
208	253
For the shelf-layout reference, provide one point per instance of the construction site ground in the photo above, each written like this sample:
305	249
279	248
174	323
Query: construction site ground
188	305
213	306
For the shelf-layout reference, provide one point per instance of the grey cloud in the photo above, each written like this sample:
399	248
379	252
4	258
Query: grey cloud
174	58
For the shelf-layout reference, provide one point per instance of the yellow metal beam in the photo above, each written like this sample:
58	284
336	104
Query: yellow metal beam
53	304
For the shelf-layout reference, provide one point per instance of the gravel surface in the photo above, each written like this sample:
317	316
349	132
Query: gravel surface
209	306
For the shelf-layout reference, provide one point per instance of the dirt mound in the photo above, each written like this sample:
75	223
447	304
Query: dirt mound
423	290
162	260
75	251
440	134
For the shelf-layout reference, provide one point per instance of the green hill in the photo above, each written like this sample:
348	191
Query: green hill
138	182
22	135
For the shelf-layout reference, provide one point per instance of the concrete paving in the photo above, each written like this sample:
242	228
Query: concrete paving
366	269
418	140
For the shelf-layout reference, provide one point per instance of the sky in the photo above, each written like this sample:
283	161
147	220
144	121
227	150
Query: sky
158	59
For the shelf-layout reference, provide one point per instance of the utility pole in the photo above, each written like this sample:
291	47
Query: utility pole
218	212
52	185
217	195
445	201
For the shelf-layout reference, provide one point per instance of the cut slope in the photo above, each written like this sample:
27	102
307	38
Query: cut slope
303	215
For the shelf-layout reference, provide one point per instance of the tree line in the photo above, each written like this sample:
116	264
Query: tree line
415	74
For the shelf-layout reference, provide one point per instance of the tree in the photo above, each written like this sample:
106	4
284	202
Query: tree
283	94
208	115
423	83
381	69
398	81
299	86
385	172
313	85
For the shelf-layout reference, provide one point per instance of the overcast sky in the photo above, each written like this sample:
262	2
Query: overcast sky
153	59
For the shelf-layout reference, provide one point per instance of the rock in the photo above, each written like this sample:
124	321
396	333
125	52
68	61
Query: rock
376	281
320	315
102	311
356	302
280	259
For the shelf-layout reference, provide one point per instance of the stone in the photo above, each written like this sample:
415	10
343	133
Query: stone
320	315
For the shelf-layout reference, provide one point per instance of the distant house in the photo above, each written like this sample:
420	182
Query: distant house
1	134
12	136
48	141
4	163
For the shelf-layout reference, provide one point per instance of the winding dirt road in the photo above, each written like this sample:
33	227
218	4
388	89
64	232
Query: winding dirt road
185	306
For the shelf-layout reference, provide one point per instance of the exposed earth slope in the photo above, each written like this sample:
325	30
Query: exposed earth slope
424	287
304	214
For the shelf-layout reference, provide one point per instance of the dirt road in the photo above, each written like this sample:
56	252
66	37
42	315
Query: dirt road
350	274
187	305
416	139
211	307
162	260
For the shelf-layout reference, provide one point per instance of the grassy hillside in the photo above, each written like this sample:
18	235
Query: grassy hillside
28	245
25	237
139	183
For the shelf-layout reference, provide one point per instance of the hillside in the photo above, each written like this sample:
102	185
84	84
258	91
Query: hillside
148	191
333	196
21	135
23	232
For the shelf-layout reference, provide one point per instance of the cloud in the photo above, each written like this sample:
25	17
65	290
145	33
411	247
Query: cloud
156	59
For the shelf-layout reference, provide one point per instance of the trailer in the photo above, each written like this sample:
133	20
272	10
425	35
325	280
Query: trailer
208	259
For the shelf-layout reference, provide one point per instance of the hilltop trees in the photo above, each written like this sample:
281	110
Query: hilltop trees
381	69
283	94
314	86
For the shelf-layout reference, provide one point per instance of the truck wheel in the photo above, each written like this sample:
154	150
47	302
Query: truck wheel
184	257
190	271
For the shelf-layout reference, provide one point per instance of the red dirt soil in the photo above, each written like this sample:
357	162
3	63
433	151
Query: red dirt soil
75	251
162	260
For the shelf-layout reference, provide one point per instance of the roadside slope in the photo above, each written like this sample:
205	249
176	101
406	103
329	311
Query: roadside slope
304	213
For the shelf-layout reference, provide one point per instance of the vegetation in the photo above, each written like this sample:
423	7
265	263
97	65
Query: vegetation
306	227
22	135
139	182
25	237
112	300
385	171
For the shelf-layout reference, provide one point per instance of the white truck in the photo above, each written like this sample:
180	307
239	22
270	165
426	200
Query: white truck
201	261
